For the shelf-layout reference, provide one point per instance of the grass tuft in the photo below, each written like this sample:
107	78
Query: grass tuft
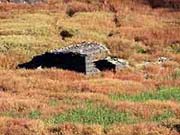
34	114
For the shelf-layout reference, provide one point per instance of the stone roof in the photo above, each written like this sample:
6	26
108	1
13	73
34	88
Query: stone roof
84	48
118	62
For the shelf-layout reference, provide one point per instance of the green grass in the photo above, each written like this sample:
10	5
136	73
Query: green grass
12	114
34	114
92	115
166	115
139	48
163	94
53	102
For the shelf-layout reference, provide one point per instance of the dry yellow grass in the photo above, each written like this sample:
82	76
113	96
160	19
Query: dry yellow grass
130	29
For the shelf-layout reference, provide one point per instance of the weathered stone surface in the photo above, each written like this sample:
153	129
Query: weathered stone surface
162	60
85	48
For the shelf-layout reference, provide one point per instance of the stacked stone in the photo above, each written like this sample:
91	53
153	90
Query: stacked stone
118	63
90	66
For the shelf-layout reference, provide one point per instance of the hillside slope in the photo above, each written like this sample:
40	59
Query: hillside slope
143	99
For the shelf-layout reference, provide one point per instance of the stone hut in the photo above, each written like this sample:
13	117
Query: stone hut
85	57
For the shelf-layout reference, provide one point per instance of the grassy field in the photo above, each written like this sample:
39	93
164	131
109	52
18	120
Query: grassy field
141	100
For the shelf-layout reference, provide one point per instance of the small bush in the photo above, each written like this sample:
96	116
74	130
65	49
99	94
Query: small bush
140	49
176	47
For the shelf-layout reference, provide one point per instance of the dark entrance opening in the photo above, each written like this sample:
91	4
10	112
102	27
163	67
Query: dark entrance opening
104	65
68	61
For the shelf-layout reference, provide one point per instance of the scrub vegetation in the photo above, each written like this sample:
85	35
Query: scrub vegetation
141	100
